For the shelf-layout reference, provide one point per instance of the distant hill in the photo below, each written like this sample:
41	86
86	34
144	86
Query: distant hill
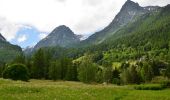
7	50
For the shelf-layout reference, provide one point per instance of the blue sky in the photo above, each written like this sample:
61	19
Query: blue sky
25	22
27	36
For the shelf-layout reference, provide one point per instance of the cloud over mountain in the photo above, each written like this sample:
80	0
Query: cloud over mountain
82	16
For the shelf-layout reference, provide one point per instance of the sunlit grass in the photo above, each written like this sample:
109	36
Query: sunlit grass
64	90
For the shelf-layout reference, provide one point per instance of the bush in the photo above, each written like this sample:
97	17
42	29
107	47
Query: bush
159	79
165	84
149	87
87	72
116	81
16	72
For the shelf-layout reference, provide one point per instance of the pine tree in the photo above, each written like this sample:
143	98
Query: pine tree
71	74
55	70
39	65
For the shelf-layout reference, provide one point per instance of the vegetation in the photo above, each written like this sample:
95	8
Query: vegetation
16	72
64	90
149	87
135	54
8	51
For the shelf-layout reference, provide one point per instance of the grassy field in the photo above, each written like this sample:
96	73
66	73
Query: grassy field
63	90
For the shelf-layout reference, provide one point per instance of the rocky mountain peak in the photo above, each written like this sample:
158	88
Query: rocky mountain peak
130	4
61	30
129	11
61	36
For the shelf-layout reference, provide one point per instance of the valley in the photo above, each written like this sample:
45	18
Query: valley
128	60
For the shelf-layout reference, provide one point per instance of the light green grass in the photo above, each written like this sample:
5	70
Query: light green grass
63	90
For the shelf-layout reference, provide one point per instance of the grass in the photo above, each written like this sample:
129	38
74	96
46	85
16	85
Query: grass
64	90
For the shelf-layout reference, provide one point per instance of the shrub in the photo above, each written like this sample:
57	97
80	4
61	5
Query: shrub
149	87
159	79
116	81
87	72
16	72
165	84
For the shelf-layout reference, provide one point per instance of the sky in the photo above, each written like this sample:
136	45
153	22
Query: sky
25	22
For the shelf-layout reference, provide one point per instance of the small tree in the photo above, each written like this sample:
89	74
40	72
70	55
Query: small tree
16	72
38	69
167	72
19	59
55	70
107	74
71	74
135	78
107	71
147	72
116	76
125	76
87	72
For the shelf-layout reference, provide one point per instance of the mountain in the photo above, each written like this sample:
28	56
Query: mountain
61	36
153	26
7	50
28	50
128	13
2	38
145	38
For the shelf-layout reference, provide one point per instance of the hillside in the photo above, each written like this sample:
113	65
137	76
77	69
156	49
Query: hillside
128	13
148	35
7	50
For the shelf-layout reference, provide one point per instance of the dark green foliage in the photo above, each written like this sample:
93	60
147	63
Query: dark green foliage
116	73
149	87
2	67
107	74
165	84
55	70
8	51
63	69
65	63
147	72
39	66
99	75
116	81
130	75
71	74
16	72
19	59
167	71
125	76
87	72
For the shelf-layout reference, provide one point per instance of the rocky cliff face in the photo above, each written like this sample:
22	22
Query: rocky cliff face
60	36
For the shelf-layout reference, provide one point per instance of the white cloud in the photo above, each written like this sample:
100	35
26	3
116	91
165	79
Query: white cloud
22	38
82	16
8	29
42	35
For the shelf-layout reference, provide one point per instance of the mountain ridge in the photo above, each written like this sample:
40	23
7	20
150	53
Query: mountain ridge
61	36
8	51
128	12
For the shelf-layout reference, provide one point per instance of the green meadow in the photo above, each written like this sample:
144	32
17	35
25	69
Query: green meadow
65	90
